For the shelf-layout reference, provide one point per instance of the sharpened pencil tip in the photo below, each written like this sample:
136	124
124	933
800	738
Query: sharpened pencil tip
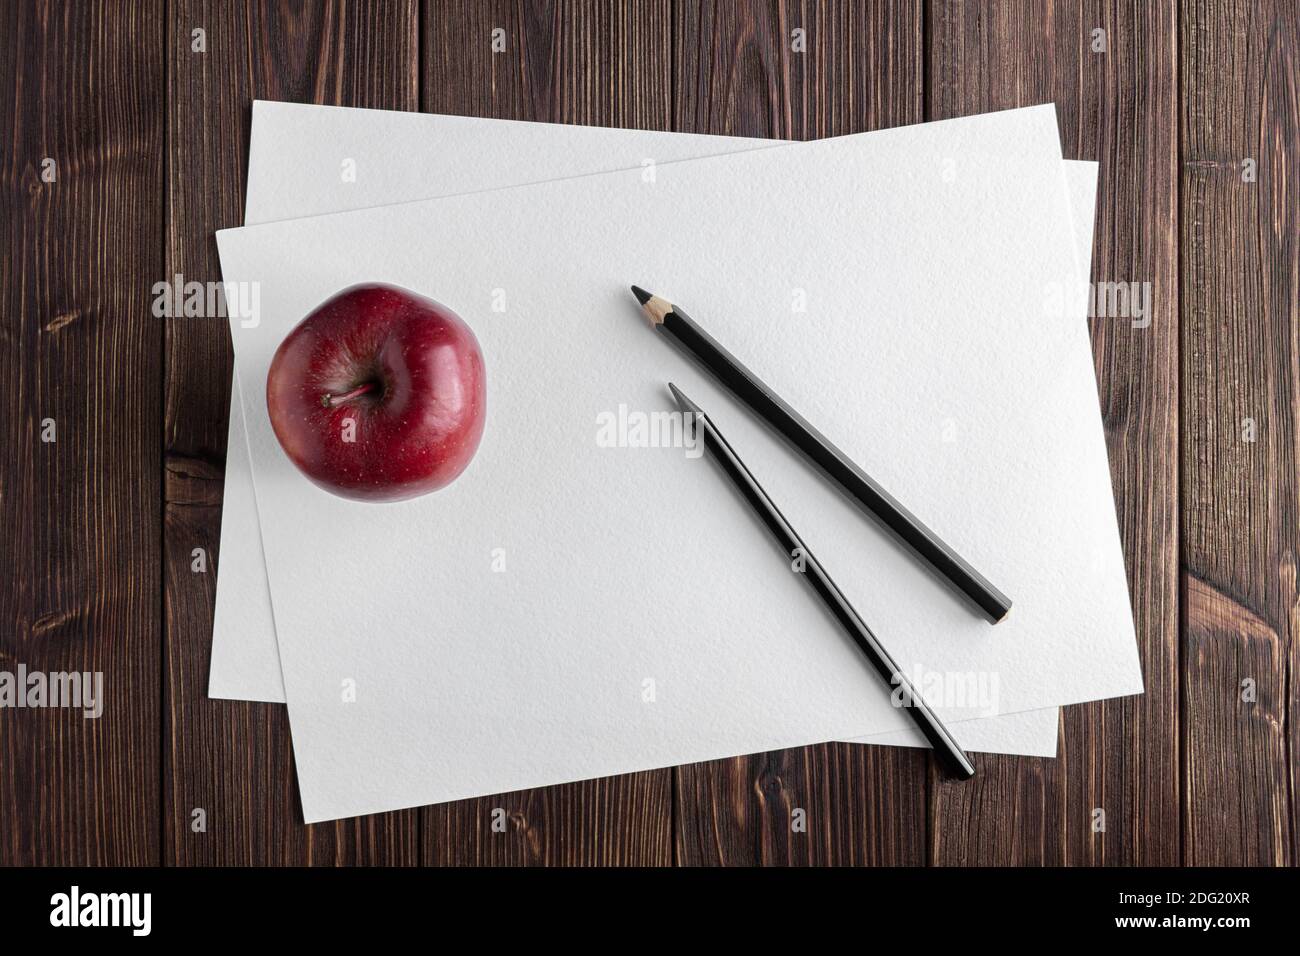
684	403
641	294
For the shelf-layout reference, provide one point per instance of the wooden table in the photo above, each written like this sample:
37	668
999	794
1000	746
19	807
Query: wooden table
1190	110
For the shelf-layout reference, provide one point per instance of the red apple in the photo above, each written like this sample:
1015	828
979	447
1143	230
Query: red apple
379	394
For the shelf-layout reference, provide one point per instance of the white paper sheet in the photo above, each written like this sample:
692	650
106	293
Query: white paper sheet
295	163
928	295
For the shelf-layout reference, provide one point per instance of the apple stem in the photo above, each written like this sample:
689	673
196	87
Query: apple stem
330	401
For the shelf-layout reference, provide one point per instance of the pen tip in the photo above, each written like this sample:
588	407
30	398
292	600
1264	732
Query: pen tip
641	294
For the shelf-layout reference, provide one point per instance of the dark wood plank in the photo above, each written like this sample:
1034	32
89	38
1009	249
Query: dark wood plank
580	61
1117	107
737	72
79	563
612	821
233	759
598	64
1241	402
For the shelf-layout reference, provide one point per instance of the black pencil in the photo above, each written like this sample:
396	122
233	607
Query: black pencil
935	732
795	429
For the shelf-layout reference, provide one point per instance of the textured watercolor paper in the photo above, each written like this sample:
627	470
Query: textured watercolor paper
972	397
295	158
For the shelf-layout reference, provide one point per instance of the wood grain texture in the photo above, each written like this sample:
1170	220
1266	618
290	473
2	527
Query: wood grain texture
1116	107
1241	434
596	64
736	71
150	140
612	821
563	61
233	759
81	515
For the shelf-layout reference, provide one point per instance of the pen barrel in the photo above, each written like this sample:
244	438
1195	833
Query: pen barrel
837	466
929	724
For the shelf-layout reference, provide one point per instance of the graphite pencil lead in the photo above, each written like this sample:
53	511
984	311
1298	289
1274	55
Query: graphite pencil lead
652	305
684	403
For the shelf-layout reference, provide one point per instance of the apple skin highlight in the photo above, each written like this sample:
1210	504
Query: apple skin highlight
379	394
